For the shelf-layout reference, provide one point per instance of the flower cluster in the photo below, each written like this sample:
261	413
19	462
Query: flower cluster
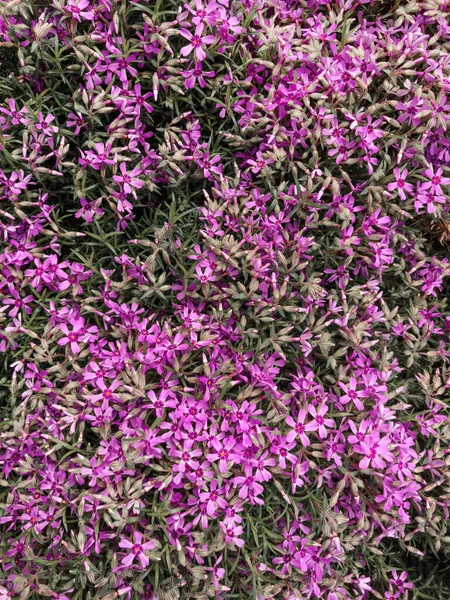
224	322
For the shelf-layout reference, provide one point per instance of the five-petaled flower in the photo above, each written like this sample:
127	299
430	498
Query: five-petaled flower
129	179
196	42
137	548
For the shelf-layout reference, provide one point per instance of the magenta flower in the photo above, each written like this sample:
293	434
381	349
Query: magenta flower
195	74
281	448
18	303
263	357
77	10
376	453
204	275
302	558
260	162
370	131
16	183
285	560
223	453
72	336
102	156
299	428
319	423
107	392
401	581
97	471
186	458
77	121
161	401
209	164
140	99
17	116
214	499
218	573
351	394
435	181
89	210
261	465
428	199
43	124
400	184
196	42
203	14
231	534
137	548
408	111
129	179
122	67
73	279
247	484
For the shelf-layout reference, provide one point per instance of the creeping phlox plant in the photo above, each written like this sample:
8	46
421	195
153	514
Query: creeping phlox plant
224	282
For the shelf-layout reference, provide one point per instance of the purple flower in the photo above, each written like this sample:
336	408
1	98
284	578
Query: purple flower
43	124
137	548
319	423
400	184
351	394
18	303
195	74
299	428
129	179
77	10
17	116
196	42
376	453
72	336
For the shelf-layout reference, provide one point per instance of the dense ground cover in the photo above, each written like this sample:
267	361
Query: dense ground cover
224	316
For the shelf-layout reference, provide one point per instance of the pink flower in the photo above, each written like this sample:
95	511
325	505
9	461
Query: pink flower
160	402
401	581
204	275
102	156
281	448
260	464
429	199
18	303
223	453
351	395
16	183
247	484
72	337
76	121
299	428
209	164
319	423
370	131
122	68
137	548
410	110
376	453
76	9
214	499
231	534
400	185
203	13
191	76
435	181
260	162
89	210
43	124
129	179
97	471
17	116
196	42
